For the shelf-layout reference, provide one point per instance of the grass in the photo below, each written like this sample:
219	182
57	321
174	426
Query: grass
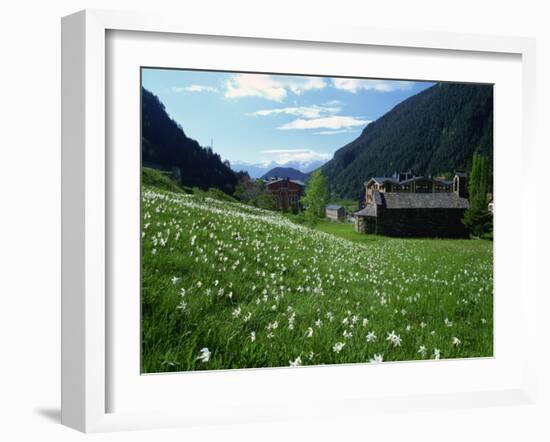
226	285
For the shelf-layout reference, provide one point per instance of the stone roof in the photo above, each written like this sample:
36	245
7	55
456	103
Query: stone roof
300	183
405	200
369	210
334	207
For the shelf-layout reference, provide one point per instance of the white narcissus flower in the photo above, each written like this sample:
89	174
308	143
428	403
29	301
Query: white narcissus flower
205	355
376	359
394	339
423	350
371	336
296	362
456	341
337	348
309	332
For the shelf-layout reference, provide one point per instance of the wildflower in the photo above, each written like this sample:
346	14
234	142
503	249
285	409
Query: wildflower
423	350
182	292
318	323
296	362
252	336
205	355
247	317
365	322
456	341
347	334
310	355
337	348
448	323
309	332
236	312
199	284
182	305
437	353
174	280
371	336
394	339
376	359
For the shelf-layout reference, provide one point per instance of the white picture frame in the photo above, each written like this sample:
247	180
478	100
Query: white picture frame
86	316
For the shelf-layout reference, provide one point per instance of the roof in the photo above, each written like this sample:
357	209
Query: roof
384	179
393	180
405	200
300	183
334	207
369	210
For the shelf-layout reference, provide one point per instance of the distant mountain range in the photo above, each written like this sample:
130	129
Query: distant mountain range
286	172
436	131
258	170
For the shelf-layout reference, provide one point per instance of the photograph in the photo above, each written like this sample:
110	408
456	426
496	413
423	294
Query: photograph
305	220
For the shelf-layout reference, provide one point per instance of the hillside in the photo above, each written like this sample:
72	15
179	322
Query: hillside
286	172
164	143
435	131
226	285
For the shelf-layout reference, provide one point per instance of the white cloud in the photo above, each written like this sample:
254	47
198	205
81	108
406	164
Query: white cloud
283	156
298	111
332	103
195	88
269	87
353	85
300	84
333	122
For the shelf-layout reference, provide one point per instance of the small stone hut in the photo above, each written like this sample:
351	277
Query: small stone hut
335	212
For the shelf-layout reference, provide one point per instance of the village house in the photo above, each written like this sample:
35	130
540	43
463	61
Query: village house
407	182
335	212
286	193
414	206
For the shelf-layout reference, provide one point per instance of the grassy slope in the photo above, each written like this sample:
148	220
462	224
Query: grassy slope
237	270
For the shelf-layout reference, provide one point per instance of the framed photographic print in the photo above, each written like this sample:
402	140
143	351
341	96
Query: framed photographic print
250	214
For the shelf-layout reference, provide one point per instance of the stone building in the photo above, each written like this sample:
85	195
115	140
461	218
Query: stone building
286	193
408	182
420	212
335	212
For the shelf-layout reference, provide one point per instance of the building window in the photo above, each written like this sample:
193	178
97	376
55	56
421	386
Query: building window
293	200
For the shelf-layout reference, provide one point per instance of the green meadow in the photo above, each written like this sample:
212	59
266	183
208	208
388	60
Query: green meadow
227	285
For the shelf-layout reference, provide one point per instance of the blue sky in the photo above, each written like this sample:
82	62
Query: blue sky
260	118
